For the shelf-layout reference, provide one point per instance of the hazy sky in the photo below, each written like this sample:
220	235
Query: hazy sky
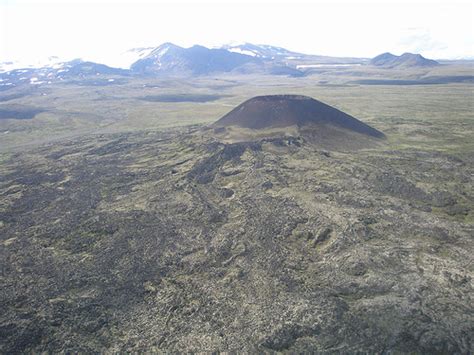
97	30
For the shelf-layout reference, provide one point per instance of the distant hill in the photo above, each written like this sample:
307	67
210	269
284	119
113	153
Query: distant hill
74	69
196	60
80	68
390	60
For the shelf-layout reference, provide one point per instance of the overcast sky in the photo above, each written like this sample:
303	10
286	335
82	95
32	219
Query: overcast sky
97	30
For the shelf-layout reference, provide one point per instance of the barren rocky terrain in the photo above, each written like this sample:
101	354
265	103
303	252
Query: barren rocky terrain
175	241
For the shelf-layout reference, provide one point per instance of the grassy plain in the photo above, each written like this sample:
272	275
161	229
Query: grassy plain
411	115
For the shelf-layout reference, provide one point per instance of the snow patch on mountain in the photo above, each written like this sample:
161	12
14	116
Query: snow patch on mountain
49	62
243	51
125	59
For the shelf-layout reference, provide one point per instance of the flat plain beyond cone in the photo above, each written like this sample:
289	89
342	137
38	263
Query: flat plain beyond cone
275	111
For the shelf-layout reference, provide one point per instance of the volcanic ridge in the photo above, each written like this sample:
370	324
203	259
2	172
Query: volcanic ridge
280	111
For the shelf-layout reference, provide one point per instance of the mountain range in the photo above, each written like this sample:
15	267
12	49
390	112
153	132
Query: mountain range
169	59
197	60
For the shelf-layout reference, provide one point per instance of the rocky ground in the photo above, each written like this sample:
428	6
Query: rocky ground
175	241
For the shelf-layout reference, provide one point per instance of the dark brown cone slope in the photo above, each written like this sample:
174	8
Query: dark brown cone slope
274	111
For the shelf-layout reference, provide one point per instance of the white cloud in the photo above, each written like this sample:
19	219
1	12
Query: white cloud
97	30
420	40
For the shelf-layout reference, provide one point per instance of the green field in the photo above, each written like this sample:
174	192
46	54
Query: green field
422	116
